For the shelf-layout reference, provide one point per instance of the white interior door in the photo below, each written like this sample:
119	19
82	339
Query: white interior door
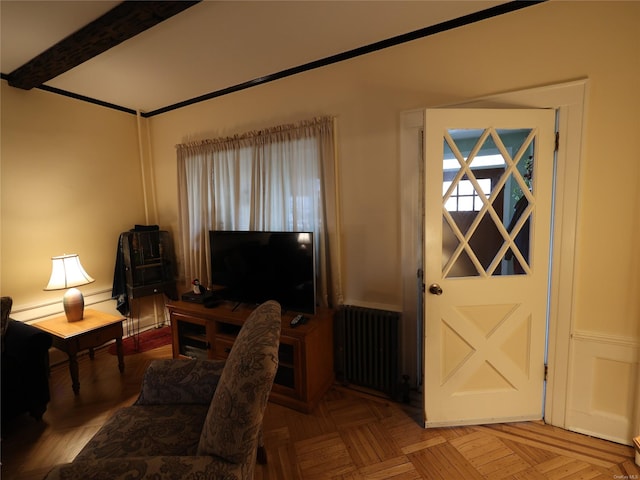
488	191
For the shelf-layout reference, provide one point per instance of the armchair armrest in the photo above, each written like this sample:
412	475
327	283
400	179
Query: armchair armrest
173	381
143	468
22	340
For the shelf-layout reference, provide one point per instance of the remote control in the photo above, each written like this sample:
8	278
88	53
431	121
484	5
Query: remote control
297	320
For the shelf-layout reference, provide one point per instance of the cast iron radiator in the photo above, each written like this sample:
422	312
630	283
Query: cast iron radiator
366	348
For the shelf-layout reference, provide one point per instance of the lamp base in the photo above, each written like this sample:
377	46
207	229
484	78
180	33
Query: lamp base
73	302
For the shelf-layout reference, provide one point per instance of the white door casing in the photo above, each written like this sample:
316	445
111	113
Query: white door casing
570	99
485	333
581	363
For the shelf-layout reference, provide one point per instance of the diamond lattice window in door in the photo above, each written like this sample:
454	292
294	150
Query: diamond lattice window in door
487	204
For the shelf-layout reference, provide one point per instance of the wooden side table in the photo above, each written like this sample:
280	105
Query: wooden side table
95	329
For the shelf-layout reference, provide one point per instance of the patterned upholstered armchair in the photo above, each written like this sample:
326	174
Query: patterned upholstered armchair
194	419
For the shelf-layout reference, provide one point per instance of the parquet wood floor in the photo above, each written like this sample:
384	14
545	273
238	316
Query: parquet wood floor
350	436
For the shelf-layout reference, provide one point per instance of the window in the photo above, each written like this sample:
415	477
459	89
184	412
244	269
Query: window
279	179
464	198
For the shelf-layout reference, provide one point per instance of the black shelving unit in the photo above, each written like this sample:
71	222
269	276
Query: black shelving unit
149	263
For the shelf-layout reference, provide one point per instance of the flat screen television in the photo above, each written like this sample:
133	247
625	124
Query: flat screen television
255	266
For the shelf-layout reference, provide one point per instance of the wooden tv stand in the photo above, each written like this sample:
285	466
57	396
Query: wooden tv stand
305	371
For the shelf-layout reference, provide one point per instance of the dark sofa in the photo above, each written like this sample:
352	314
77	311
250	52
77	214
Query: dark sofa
25	367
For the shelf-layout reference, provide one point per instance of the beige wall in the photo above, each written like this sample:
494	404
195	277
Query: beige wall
70	184
545	44
54	159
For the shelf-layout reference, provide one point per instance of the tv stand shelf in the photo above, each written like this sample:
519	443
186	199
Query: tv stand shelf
305	370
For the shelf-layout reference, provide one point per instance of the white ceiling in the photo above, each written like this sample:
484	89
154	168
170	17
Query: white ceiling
211	46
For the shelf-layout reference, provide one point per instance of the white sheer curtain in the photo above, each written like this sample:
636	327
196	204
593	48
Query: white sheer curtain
280	179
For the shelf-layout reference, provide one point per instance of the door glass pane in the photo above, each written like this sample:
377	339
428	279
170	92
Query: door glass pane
463	267
487	190
465	203
518	218
486	240
449	243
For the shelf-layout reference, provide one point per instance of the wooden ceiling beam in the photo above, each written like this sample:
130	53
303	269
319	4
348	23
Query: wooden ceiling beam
122	22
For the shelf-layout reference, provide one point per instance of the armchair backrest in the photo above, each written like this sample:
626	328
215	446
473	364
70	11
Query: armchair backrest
235	415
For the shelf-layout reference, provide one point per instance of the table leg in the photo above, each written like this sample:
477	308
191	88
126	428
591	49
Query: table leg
73	369
120	354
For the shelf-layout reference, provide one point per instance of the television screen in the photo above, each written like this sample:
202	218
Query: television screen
258	266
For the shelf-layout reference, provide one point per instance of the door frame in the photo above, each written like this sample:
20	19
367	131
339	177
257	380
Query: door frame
569	100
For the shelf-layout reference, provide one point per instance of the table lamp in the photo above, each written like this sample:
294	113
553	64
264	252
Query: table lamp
67	272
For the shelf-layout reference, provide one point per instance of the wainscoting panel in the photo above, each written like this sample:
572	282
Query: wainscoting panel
602	399
98	300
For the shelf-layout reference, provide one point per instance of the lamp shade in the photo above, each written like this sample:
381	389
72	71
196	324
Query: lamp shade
67	272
